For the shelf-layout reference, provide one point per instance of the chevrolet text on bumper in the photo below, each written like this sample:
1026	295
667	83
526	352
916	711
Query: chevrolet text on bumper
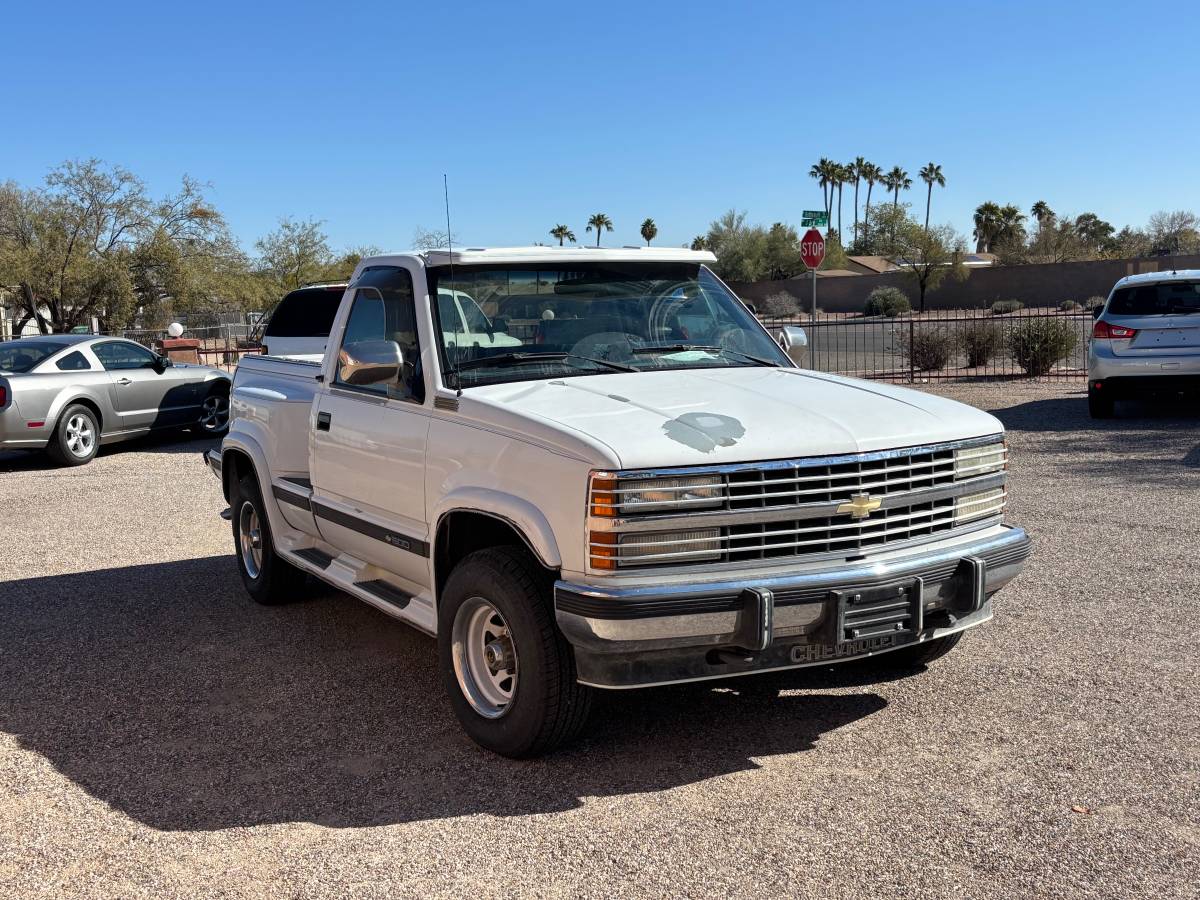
585	469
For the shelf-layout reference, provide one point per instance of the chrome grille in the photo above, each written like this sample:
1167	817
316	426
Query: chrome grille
836	506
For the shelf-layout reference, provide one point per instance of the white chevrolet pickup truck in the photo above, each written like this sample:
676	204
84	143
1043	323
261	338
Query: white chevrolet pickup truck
635	486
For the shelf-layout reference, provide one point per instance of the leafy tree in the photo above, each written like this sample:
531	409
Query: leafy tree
739	247
925	255
93	243
781	253
649	231
600	222
1131	242
1174	232
931	174
563	233
425	239
294	254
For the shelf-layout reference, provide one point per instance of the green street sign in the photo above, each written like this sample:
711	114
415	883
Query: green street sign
814	218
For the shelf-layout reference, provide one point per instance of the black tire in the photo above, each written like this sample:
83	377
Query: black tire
269	579
1100	404
919	655
547	706
214	422
76	425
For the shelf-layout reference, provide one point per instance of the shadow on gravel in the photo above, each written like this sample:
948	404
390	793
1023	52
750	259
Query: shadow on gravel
164	692
1147	441
167	442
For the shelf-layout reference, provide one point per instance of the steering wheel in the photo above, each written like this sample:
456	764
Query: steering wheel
612	345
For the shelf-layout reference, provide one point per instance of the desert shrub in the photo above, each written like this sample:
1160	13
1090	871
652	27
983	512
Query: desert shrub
1069	306
887	301
1000	307
928	349
1095	302
1038	344
980	342
779	305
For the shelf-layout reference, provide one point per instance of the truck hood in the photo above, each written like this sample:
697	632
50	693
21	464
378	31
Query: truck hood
702	416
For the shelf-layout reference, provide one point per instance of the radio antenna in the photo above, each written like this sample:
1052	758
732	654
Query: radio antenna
450	253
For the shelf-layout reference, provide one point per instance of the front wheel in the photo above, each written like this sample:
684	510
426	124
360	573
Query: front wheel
509	672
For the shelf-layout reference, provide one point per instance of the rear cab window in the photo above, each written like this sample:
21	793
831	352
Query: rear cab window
1160	299
307	312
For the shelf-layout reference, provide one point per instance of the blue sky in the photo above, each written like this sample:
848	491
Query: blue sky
543	113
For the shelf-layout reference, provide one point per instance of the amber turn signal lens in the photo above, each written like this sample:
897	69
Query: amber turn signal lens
604	497
603	547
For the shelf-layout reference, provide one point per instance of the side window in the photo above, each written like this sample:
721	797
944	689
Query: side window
384	310
117	355
74	362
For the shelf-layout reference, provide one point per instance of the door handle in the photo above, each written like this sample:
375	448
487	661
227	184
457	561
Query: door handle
124	381
323	420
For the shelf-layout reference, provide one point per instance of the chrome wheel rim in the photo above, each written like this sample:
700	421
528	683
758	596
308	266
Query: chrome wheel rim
250	539
80	435
214	412
485	658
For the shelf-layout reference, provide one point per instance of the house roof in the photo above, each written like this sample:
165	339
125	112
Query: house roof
875	264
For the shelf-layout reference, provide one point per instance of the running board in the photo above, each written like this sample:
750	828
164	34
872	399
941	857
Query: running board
313	556
385	591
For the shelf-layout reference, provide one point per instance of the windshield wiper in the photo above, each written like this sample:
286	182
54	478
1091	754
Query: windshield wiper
679	348
546	356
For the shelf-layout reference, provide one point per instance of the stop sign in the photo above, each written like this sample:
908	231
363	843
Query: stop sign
812	248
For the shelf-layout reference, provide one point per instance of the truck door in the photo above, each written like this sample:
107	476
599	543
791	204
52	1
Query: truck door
368	465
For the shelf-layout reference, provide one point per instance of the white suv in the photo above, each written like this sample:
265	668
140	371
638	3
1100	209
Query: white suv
1146	339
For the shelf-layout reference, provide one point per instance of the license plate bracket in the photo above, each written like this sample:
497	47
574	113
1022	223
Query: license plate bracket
890	610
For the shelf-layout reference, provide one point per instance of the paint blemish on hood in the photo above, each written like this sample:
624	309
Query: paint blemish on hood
704	431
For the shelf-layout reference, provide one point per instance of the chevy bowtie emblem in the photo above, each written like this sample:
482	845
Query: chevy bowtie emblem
860	505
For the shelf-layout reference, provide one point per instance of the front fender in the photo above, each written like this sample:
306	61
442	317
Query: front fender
526	518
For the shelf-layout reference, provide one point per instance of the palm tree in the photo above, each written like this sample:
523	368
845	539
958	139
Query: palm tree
600	222
841	177
1042	212
931	175
856	173
987	225
649	231
825	173
896	181
871	173
562	232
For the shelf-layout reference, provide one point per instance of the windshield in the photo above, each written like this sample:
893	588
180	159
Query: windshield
1168	297
21	356
589	319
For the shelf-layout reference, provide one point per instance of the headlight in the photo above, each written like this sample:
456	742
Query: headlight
979	506
609	550
970	462
611	497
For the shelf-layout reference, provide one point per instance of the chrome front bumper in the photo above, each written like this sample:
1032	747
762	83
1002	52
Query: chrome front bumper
638	636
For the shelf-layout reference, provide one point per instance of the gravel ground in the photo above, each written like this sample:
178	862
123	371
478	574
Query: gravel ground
161	736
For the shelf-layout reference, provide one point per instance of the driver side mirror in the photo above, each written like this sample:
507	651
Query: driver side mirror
370	362
793	340
162	363
1096	311
500	323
